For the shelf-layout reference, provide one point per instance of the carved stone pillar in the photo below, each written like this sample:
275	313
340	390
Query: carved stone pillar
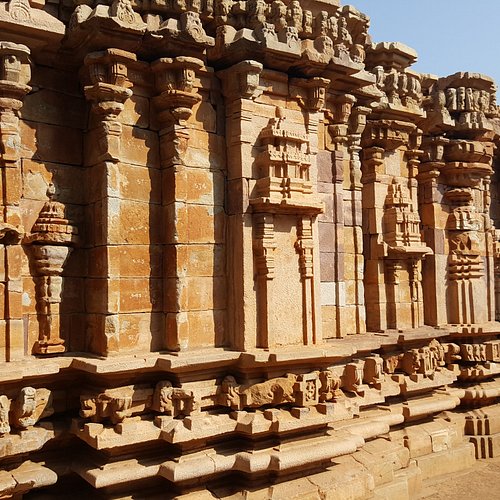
430	209
107	89
240	86
177	81
343	140
467	296
357	124
497	274
52	238
14	75
459	131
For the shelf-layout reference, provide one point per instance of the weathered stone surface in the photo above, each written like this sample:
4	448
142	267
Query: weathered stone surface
239	239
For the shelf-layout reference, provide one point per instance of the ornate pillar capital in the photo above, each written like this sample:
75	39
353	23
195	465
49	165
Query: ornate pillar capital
242	81
108	91
175	82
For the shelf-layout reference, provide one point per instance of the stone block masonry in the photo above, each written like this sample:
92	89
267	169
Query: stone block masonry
244	251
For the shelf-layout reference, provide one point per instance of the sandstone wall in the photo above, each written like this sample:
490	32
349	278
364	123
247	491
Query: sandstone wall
244	250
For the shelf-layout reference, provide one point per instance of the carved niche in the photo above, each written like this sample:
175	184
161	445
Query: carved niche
284	196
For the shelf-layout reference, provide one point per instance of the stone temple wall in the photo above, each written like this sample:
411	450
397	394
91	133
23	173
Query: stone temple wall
245	252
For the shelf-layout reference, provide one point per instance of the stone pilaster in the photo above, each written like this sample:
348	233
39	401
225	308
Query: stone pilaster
14	75
192	212
107	91
241	86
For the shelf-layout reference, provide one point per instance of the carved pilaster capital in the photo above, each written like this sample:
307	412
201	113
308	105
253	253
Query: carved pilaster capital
14	75
373	161
358	118
242	81
107	71
175	80
339	117
313	95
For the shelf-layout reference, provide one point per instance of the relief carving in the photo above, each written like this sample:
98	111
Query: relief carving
299	390
173	401
425	360
30	406
4	415
52	239
117	404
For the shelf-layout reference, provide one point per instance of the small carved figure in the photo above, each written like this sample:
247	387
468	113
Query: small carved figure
391	363
469	99
461	99
358	53
333	28
321	24
330	386
116	404
122	9
344	35
307	27
222	11
278	15
294	15
275	391
256	13
484	101
24	408
4	415
451	99
173	401
392	86
191	26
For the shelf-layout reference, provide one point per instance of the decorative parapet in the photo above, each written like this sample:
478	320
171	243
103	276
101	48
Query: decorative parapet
52	239
401	88
463	102
30	23
95	25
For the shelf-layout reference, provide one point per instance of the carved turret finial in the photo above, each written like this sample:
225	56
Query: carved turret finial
52	239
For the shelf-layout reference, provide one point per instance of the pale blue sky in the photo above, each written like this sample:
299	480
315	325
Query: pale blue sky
449	35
